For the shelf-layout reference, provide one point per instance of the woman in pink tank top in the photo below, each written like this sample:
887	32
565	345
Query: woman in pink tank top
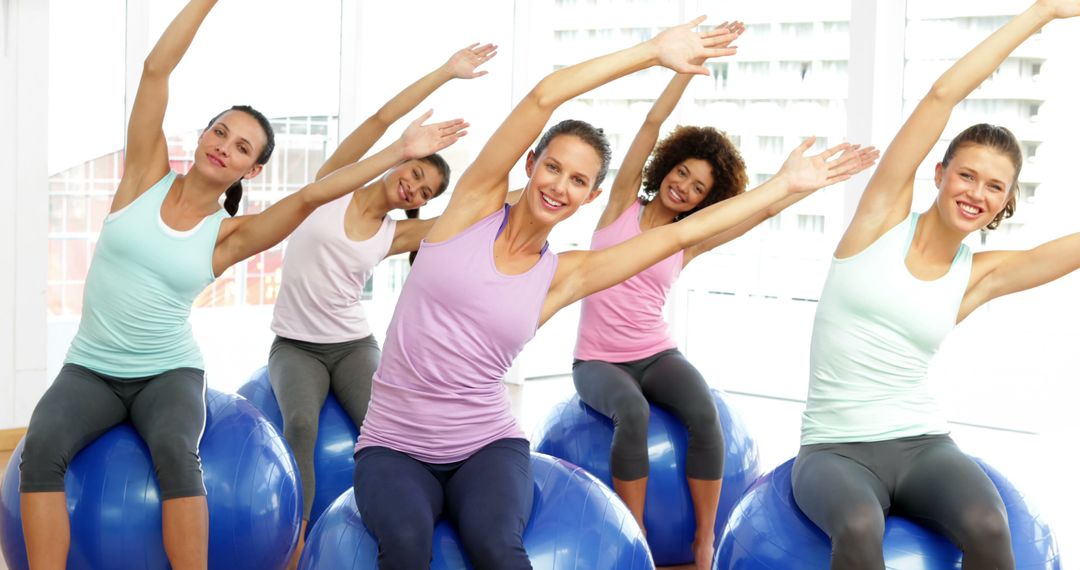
324	343
625	356
439	437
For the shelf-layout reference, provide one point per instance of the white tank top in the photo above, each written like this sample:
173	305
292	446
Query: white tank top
323	277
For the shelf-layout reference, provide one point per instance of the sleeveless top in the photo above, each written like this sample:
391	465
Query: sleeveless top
323	277
625	322
875	331
438	394
142	281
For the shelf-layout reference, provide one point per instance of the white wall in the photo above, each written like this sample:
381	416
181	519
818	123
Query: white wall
23	206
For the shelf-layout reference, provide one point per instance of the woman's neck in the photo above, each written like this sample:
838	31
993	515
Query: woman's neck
523	234
371	202
934	241
194	193
655	214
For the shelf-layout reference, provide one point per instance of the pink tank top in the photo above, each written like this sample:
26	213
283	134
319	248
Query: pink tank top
438	394
323	277
625	322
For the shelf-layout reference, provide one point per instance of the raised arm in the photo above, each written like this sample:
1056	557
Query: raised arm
853	161
887	198
146	155
582	273
244	236
482	187
624	189
461	65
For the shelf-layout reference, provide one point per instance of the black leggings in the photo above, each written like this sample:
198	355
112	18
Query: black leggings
623	391
488	497
848	489
168	411
302	374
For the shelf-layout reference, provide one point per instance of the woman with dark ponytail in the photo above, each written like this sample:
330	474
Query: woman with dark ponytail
324	342
165	239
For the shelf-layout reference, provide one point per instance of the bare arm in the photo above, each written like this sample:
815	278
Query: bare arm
461	65
999	273
408	234
887	198
582	273
146	155
243	237
483	186
624	189
853	161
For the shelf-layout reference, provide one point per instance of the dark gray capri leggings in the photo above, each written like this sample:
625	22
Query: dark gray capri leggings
848	489
622	391
167	410
302	373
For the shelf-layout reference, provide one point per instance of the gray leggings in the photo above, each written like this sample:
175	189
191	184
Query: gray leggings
168	411
302	373
623	391
848	489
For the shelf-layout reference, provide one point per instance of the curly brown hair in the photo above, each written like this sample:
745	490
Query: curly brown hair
703	143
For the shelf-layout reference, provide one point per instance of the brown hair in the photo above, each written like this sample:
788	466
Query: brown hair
589	134
1001	140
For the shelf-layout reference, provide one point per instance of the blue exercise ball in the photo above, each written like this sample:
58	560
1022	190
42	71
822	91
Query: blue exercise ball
579	434
334	462
252	485
768	531
576	523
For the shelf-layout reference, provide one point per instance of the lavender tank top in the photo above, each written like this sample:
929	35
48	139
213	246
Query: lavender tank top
438	394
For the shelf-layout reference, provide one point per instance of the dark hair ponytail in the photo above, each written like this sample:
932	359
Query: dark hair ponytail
412	215
232	197
236	191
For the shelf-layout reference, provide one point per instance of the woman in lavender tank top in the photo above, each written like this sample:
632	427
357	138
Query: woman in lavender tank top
625	356
439	437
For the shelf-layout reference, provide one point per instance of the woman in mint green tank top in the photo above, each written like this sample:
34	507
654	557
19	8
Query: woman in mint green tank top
166	238
874	441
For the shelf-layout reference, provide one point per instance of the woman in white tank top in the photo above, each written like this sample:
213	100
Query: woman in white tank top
324	341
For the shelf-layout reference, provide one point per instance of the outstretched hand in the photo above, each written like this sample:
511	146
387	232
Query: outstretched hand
421	140
684	50
809	173
464	62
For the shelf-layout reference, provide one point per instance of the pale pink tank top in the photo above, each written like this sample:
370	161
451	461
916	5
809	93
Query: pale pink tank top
323	277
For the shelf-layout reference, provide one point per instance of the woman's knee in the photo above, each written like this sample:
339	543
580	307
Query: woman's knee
631	415
44	461
983	527
859	524
493	544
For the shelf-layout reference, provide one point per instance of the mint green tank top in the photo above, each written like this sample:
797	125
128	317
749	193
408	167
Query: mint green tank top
875	331
142	281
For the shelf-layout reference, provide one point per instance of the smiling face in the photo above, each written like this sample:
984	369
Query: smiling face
229	148
686	185
974	187
561	178
412	184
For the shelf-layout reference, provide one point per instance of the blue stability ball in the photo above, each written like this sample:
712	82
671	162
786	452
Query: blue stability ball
768	531
253	493
575	432
334	462
576	523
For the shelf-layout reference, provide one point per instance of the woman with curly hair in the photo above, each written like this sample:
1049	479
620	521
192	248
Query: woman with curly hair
625	356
